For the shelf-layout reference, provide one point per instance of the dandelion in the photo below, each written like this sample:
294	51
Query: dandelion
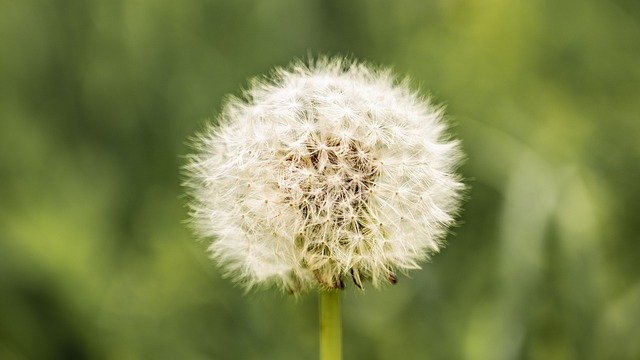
322	173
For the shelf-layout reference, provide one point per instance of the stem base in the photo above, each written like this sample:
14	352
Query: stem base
330	325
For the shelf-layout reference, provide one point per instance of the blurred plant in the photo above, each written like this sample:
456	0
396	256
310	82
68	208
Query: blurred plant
322	172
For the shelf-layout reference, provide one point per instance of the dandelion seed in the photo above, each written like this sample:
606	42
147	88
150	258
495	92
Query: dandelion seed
324	171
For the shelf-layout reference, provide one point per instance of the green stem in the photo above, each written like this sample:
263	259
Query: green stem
330	325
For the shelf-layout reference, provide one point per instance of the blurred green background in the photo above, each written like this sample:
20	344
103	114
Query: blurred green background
98	99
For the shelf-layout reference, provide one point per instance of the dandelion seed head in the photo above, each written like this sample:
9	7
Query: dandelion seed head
324	171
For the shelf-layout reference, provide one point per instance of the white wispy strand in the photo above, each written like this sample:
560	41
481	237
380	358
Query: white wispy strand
322	172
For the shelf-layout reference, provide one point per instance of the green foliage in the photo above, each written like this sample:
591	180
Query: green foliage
98	100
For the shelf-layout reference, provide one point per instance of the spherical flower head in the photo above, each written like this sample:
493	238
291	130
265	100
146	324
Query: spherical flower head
323	172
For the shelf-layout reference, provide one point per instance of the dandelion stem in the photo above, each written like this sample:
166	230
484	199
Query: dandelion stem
330	325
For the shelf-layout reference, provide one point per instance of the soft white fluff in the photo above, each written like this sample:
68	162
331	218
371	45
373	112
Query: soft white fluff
322	172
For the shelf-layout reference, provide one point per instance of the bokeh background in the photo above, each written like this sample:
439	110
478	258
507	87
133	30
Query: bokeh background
98	100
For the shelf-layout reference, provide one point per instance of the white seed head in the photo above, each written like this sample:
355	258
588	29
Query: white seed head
324	171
